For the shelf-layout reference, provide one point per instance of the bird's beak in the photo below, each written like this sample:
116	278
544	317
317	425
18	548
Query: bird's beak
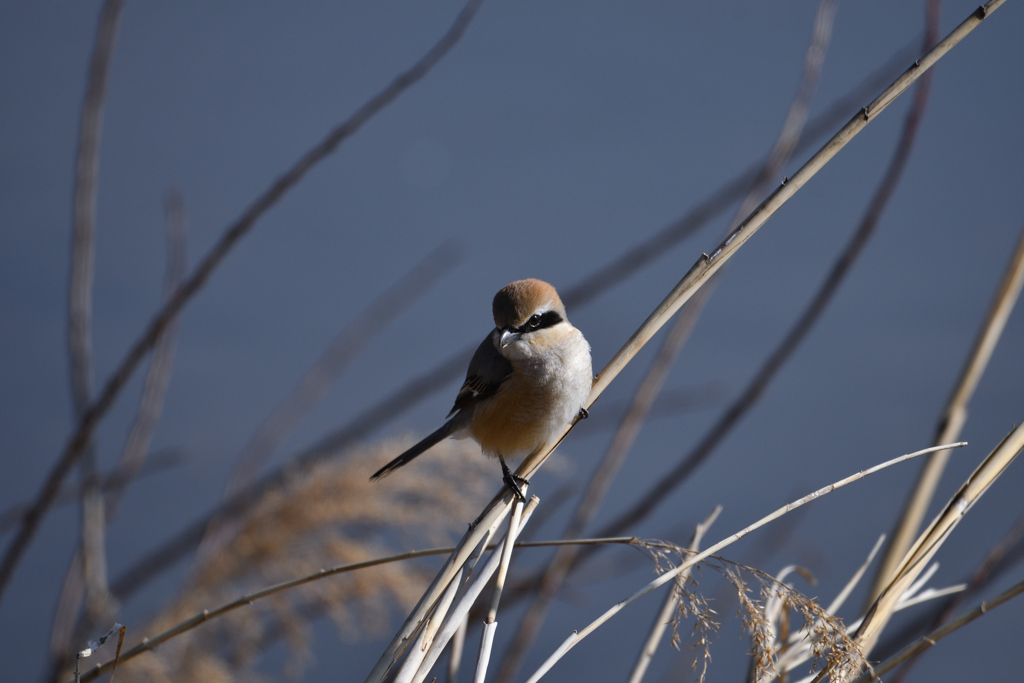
507	337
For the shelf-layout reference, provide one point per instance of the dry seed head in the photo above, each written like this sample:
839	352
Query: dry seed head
329	516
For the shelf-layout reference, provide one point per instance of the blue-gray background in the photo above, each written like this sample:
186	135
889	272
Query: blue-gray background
552	138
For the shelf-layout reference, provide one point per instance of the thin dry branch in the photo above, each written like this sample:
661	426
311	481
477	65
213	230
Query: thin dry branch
796	118
246	600
456	623
666	484
235	232
732	190
435	379
953	417
491	622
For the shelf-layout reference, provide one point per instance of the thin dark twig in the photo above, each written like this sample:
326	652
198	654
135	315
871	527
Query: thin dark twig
98	408
667	483
435	379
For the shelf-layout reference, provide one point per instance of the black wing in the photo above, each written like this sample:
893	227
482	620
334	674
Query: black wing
487	372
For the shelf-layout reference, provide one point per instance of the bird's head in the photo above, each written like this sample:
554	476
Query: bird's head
527	312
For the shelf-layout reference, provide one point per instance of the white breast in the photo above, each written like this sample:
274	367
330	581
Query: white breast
558	365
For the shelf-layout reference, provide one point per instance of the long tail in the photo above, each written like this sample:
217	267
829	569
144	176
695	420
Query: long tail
424	445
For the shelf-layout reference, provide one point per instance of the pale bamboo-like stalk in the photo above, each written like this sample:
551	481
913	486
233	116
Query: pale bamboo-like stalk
932	538
484	655
506	558
415	658
840	599
650	645
490	517
927	641
953	418
578	636
458	646
456	621
491	623
704	268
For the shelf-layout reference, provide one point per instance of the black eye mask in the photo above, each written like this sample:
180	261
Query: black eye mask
538	321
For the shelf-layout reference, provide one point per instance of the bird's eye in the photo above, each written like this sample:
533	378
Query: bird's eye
534	320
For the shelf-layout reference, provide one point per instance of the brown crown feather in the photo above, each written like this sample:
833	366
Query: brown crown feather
516	302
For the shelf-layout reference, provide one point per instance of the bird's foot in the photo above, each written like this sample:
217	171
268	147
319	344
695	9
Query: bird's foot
584	414
513	480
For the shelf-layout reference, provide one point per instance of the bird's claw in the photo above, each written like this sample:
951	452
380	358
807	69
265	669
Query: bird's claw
584	414
512	481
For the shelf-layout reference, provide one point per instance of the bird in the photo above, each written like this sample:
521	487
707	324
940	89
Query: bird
529	379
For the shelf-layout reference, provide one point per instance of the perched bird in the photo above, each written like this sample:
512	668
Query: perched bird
527	381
